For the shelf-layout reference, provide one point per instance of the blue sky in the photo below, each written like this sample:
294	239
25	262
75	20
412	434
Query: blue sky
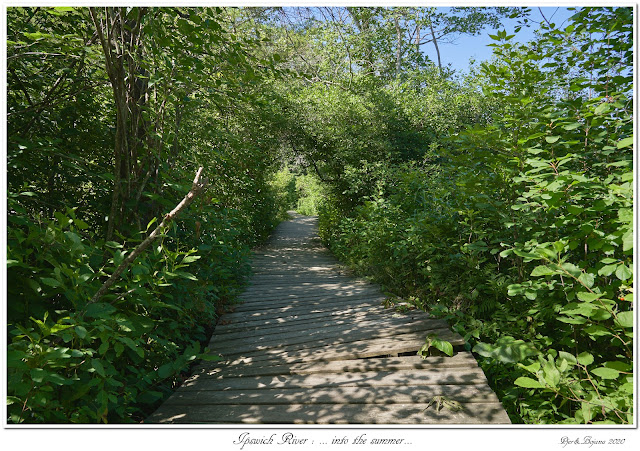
467	47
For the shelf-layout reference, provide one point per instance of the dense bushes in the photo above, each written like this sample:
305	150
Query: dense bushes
78	362
521	233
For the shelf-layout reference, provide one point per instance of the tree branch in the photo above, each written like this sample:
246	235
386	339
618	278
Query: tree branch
196	189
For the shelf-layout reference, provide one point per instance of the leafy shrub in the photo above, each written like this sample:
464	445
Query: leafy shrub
112	360
521	234
283	185
309	193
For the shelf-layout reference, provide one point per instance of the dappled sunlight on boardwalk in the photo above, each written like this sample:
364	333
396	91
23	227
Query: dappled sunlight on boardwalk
311	345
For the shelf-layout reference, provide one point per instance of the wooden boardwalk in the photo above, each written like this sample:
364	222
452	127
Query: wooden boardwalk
311	345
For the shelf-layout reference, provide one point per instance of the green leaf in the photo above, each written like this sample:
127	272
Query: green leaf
151	223
99	310
600	314
132	345
14	400
596	331
586	279
587	411
571	126
38	375
51	282
624	319
97	366
57	379
571	269
574	209
620	366
585	359
186	275
551	139
572	319
165	370
606	373
81	332
603	108
506	349
526	255
582	308
570	358
623	272
190	258
37	35
607	270
210	357
443	346
626	142
527	382
542	270
589	297
627	241
551	374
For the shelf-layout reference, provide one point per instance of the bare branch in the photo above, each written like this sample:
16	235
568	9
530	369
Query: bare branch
196	189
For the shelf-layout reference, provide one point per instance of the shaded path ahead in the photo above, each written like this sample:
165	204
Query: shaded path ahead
312	345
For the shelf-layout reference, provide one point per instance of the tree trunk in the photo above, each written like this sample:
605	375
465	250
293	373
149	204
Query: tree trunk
120	39
435	42
396	21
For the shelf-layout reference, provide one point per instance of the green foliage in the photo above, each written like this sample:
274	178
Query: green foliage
309	192
283	185
520	231
196	96
438	343
70	361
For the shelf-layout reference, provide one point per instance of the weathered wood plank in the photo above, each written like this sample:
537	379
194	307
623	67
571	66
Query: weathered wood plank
472	413
385	327
350	341
299	270
228	324
252	323
302	289
365	318
361	349
336	395
222	369
278	312
401	378
337	299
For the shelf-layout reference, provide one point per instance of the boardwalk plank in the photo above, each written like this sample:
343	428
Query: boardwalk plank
330	335
279	302
472	413
360	349
265	323
223	369
403	378
365	319
336	395
279	312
